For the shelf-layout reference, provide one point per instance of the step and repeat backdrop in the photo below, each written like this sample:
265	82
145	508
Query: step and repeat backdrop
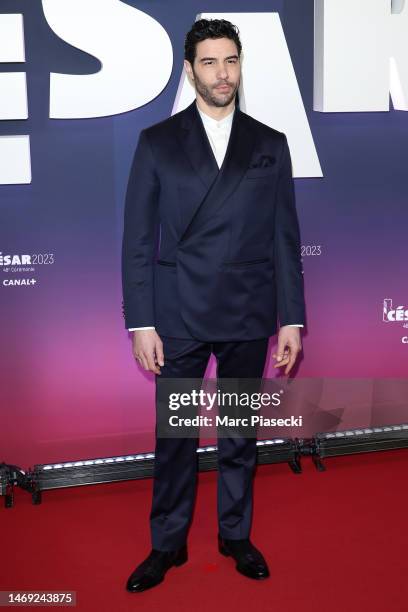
79	79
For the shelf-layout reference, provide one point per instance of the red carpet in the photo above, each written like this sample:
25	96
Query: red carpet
335	541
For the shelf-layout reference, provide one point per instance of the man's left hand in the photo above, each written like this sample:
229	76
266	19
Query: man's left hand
289	345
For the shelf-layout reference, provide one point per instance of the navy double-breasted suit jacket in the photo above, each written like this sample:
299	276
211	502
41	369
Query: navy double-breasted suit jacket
208	253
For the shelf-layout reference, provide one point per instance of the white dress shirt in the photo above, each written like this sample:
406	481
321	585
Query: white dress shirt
218	133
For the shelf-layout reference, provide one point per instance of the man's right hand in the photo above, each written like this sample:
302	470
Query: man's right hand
148	349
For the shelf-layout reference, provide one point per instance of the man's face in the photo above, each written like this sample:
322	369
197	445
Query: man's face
216	71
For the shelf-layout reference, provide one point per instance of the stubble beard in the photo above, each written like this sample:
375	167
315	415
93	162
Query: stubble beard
210	98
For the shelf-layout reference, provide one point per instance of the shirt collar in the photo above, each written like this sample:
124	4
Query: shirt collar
209	121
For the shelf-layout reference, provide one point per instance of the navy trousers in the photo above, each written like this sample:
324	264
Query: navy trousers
175	466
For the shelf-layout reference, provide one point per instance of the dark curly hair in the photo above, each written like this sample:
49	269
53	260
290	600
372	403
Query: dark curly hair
209	28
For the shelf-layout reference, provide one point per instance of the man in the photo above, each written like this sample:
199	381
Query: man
218	184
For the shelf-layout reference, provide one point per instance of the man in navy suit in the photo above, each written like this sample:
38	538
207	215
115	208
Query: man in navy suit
210	263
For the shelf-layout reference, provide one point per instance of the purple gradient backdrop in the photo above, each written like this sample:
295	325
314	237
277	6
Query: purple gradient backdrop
69	386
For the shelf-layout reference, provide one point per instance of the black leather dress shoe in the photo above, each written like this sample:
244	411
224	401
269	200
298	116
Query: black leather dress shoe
153	569
250	561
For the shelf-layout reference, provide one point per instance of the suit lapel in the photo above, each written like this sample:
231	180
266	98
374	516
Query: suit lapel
218	183
196	145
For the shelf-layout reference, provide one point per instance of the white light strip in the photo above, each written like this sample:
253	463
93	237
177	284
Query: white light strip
100	461
367	430
138	457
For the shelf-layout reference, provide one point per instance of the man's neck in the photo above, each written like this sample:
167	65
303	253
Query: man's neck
215	112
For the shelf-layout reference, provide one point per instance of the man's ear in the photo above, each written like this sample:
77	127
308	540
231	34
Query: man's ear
188	69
